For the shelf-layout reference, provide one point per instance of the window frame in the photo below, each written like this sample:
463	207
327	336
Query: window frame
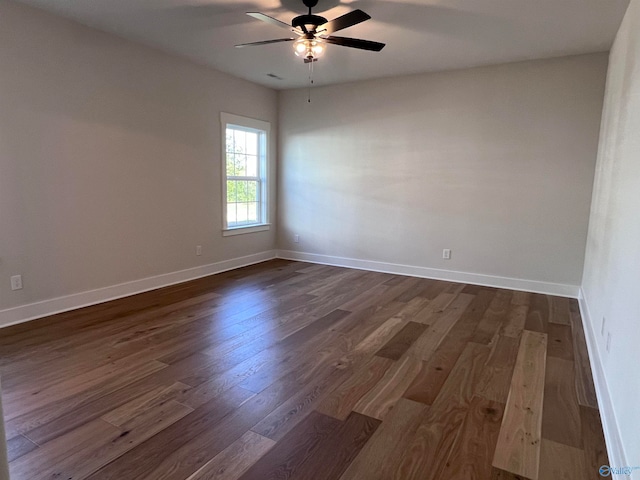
263	129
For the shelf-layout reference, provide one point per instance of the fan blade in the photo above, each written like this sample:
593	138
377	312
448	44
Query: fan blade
345	21
356	43
265	42
271	20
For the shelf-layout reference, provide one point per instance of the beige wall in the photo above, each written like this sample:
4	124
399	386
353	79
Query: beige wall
109	158
612	266
494	163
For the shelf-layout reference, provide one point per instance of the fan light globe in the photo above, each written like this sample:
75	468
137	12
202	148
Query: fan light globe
300	46
309	47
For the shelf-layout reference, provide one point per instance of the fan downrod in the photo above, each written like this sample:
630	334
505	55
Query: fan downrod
303	20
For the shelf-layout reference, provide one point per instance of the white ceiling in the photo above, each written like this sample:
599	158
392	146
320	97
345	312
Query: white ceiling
420	35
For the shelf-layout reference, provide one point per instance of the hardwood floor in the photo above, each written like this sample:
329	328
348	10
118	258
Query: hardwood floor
292	370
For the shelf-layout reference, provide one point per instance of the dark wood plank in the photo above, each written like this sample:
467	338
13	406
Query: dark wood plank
287	457
426	455
498	474
585	388
84	413
19	446
143	458
561	461
595	448
401	341
559	311
538	313
515	321
435	371
336	452
236	459
560	341
284	418
493	318
381	455
561	414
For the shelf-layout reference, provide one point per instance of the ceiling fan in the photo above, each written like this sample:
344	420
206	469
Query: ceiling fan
314	32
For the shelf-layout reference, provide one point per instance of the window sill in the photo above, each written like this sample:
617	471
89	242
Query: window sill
245	229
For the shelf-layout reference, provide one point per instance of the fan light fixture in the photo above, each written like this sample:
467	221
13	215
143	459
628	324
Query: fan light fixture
315	32
309	48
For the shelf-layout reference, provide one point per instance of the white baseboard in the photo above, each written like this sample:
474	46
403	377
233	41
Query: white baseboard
534	286
615	448
31	311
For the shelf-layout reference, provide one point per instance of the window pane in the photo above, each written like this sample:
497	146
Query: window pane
241	165
252	140
241	189
231	214
241	214
252	166
253	212
231	164
232	191
229	140
252	191
239	141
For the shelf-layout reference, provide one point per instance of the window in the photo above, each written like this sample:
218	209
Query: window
245	174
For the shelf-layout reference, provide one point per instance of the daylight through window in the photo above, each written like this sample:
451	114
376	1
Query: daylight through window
245	154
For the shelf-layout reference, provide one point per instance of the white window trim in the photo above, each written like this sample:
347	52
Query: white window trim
229	119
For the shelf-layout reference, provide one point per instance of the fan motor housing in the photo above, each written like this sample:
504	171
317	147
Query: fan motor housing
314	20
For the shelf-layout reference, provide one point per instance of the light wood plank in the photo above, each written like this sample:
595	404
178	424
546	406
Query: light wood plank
380	400
518	446
473	450
495	381
344	398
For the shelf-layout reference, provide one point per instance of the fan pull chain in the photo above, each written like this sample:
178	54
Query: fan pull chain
310	81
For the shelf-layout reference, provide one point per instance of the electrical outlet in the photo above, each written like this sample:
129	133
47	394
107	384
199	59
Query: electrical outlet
446	254
16	282
296	238
602	327
608	341
198	249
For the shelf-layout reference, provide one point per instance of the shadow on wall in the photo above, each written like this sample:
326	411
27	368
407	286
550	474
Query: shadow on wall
95	78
